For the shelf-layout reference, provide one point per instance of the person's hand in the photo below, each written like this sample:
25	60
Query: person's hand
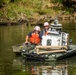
26	43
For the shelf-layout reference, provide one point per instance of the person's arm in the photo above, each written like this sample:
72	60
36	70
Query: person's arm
26	39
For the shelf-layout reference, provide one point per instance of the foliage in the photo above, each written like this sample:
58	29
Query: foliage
4	1
1	13
29	12
13	8
55	1
11	14
67	12
37	3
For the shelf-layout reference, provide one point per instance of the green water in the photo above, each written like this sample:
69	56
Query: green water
10	64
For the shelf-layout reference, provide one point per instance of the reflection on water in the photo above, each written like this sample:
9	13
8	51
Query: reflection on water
10	64
63	67
41	68
70	27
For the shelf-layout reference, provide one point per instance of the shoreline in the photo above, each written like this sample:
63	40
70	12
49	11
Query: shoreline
33	22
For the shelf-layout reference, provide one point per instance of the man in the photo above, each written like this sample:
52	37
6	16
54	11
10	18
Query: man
33	37
45	30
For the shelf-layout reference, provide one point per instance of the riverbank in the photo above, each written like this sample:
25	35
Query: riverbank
33	12
37	19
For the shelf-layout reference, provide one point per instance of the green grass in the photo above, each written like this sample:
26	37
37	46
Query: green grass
29	7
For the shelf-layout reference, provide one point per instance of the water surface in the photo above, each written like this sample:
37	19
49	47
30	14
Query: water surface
10	64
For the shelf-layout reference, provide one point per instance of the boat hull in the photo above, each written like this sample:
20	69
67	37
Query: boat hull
29	53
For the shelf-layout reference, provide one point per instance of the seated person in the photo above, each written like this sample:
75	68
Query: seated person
45	30
33	37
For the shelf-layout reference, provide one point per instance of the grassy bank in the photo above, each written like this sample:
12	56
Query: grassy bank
21	9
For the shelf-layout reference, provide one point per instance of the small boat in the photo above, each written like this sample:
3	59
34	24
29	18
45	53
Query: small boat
54	46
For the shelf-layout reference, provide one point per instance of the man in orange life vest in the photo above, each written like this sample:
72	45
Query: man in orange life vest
33	37
45	30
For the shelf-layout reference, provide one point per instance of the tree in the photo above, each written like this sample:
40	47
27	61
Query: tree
12	1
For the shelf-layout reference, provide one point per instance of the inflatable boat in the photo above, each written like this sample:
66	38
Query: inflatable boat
54	46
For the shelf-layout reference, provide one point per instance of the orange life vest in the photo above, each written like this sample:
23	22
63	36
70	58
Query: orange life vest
34	38
46	33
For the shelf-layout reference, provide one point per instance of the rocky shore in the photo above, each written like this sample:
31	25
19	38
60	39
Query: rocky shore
36	19
29	12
